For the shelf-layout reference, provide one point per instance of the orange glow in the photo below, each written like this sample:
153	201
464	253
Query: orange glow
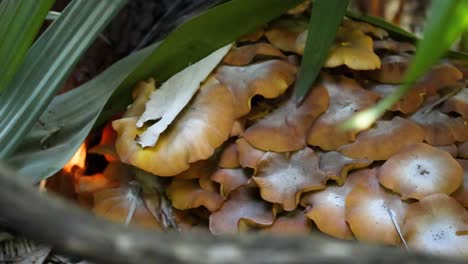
78	159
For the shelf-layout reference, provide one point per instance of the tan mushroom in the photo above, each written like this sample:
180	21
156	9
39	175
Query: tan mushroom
282	178
327	207
288	34
420	170
187	194
230	179
242	209
249	156
285	129
368	209
392	71
451	149
365	28
291	223
337	166
229	157
436	224
244	55
463	150
457	103
194	135
346	98
393	46
461	195
268	79
384	140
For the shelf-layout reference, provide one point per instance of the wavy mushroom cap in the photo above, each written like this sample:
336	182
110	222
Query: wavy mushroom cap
461	195
337	166
230	179
346	98
242	209
285	129
420	170
463	150
393	46
457	104
384	140
327	207
436	224
244	55
392	70
292	223
187	194
269	79
288	34
367	212
365	28
202	127
249	156
282	178
229	158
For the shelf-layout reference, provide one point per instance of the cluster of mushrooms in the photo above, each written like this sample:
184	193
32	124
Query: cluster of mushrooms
244	156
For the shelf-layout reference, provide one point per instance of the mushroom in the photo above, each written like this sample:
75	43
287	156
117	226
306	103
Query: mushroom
229	157
285	128
230	179
288	34
392	71
269	79
346	98
461	195
301	8
253	36
248	155
368	209
457	104
420	170
451	149
384	140
187	194
394	46
114	175
354	49
432	225
244	55
463	150
195	134
242	209
365	28
327	207
291	223
336	165
282	178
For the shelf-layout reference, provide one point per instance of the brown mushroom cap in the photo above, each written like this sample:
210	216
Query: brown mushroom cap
336	165
230	179
354	49
365	28
461	195
432	224
457	103
394	46
114	175
441	129
451	149
114	204
244	55
243	207
327	207
284	34
292	223
285	128
253	36
346	98
463	150
301	8
392	70
282	179
420	170
269	79
384	140
249	156
229	157
187	194
367	212
194	135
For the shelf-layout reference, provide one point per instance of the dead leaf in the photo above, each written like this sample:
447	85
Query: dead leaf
168	101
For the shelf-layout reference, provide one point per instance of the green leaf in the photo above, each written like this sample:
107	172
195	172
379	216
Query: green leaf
70	117
398	33
20	21
325	19
448	20
47	65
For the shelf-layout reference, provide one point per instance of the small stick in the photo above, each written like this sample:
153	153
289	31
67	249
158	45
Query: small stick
397	227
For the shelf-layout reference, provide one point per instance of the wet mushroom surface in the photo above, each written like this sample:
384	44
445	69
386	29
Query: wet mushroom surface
244	156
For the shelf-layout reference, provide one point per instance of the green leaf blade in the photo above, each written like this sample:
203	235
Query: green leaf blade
325	19
47	65
20	21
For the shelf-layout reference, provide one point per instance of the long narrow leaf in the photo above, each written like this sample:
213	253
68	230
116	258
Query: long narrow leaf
398	33
20	21
448	19
71	116
47	65
324	22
